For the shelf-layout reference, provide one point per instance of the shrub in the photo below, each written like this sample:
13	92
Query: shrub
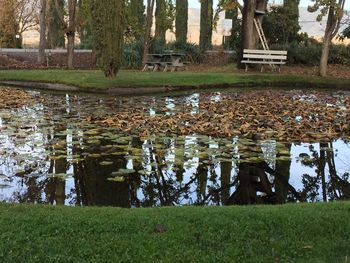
309	54
132	54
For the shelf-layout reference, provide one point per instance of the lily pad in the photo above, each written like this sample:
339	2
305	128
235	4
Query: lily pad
117	179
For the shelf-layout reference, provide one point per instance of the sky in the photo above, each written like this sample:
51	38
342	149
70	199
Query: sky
303	3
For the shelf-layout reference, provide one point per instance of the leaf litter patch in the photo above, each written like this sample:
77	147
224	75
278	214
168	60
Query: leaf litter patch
258	115
16	98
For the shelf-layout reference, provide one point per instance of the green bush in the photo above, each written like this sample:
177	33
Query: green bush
310	53
132	54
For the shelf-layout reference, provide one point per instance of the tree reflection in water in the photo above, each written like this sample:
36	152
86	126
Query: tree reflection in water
73	165
171	181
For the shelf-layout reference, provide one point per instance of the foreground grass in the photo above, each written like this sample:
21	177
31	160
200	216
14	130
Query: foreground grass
95	79
288	233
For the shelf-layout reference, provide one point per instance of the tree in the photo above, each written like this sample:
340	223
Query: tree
335	11
164	19
84	23
17	16
107	29
42	22
181	21
26	12
8	24
68	27
231	8
55	34
135	18
148	26
281	25
206	25
249	34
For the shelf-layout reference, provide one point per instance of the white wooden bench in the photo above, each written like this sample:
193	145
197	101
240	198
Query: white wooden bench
264	57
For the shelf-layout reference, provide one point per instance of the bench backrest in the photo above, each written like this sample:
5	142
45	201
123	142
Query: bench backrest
265	54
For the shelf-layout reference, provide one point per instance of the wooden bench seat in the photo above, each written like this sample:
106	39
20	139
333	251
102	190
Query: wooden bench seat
264	57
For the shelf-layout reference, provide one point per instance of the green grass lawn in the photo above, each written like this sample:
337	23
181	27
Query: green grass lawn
283	233
95	79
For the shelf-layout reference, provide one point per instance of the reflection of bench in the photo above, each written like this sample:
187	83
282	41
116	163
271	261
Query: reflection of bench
264	57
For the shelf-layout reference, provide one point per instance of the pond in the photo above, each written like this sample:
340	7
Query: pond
133	151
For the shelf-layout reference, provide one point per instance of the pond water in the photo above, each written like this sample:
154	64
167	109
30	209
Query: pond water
51	152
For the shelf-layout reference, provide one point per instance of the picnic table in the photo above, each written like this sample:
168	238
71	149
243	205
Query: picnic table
165	61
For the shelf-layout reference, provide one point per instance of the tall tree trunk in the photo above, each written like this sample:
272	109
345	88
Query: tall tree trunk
324	56
250	36
181	21
335	15
206	25
71	32
327	42
42	23
160	14
69	28
149	21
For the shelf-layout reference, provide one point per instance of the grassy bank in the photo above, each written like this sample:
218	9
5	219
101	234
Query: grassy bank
95	79
288	233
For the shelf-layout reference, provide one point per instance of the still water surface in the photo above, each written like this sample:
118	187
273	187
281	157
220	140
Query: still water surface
51	153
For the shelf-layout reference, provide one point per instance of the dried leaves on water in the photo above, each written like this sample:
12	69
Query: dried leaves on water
15	98
282	115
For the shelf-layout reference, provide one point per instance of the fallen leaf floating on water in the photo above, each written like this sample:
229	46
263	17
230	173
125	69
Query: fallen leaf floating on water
16	98
280	115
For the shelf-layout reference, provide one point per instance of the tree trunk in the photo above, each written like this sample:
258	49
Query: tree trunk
248	31
70	50
206	25
324	55
70	32
250	36
331	24
42	23
181	21
160	14
149	21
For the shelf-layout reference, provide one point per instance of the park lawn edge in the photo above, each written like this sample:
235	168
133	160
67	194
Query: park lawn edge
135	82
309	232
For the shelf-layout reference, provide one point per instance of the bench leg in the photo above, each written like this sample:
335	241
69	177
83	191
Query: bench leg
246	67
145	67
262	68
155	67
165	68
